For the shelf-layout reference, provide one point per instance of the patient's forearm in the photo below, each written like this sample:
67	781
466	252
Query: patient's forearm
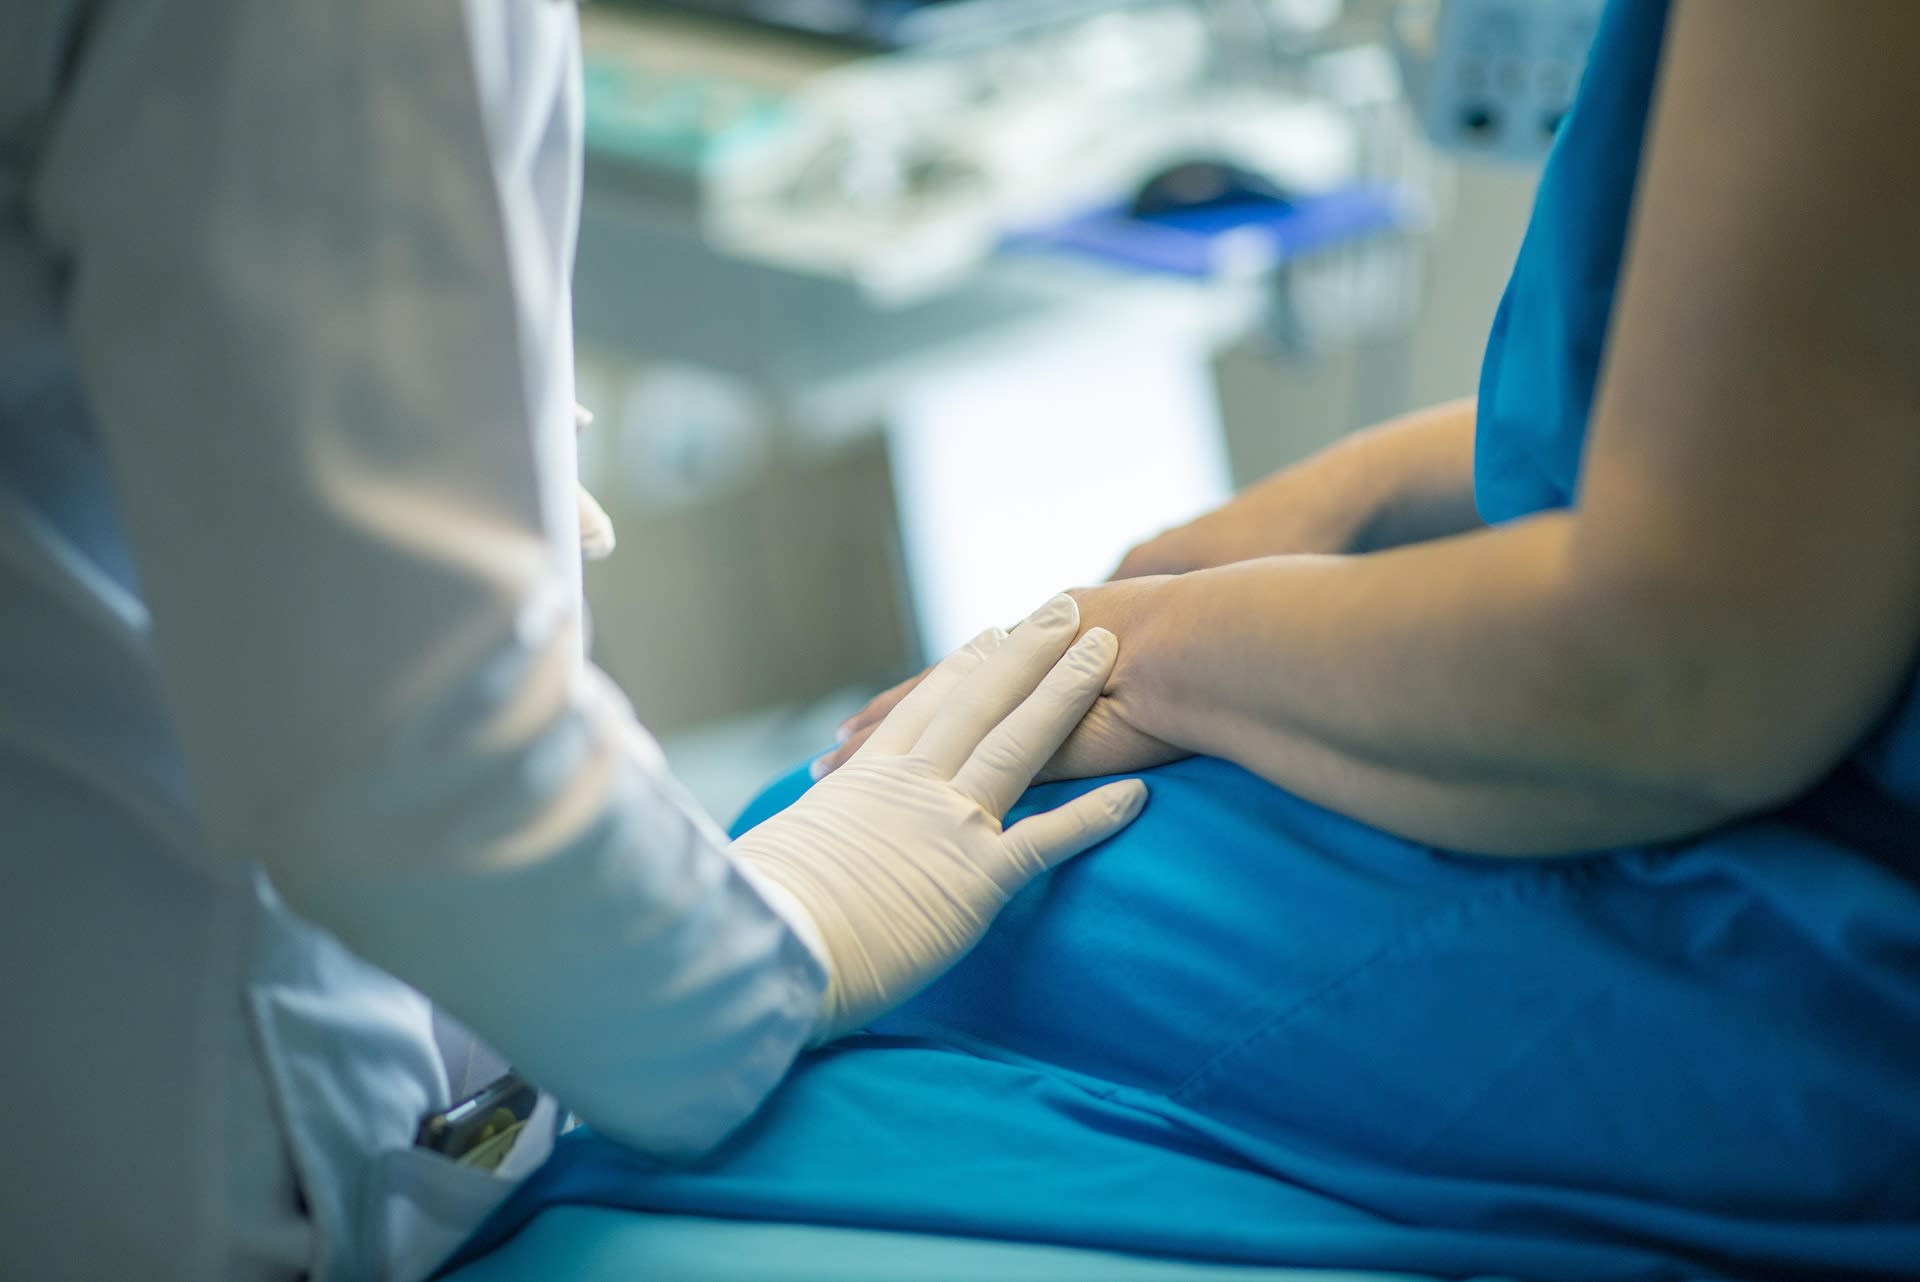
1420	466
1408	479
1468	692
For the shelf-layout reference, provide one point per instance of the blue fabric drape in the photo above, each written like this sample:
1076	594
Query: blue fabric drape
1249	1029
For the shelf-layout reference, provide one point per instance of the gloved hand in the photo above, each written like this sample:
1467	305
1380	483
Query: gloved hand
1109	741
895	864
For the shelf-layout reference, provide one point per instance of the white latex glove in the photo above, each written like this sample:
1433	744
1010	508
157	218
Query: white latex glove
894	865
596	527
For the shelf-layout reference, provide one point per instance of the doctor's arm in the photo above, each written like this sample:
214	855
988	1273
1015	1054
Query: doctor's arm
317	309
307	307
1735	596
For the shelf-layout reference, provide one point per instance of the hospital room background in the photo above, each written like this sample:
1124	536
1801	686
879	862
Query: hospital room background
897	318
891	321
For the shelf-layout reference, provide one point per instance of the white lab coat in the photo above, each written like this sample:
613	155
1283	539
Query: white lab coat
291	694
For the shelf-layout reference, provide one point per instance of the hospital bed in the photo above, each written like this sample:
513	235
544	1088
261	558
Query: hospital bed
593	1244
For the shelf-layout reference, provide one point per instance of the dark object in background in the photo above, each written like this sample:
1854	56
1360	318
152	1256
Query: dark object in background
1203	183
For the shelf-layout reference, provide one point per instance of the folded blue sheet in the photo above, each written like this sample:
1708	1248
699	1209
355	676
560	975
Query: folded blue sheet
1249	1030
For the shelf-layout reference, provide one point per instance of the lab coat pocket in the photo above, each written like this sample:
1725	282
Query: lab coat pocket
352	1067
425	1204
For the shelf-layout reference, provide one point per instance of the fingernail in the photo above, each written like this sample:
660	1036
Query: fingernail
818	770
1057	610
1096	639
843	732
987	640
1136	802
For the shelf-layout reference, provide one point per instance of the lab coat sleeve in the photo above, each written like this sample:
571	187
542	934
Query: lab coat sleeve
315	287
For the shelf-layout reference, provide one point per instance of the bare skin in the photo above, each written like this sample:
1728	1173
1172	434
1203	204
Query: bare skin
1405	481
1737	593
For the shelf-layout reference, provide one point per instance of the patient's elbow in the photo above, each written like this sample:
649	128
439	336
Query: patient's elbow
1690	705
1753	780
1744	738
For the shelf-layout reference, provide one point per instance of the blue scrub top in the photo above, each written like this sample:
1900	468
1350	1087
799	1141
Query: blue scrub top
1542	363
1542	368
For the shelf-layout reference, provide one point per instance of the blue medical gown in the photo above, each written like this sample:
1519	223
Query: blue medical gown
1249	1029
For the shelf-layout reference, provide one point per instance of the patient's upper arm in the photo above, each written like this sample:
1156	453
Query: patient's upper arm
1751	498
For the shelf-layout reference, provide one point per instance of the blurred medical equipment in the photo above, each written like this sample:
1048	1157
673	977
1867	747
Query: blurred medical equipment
1494	77
960	223
906	169
905	172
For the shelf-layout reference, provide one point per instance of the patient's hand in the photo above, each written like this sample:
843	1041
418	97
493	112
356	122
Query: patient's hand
1109	741
1268	518
1106	743
1404	481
